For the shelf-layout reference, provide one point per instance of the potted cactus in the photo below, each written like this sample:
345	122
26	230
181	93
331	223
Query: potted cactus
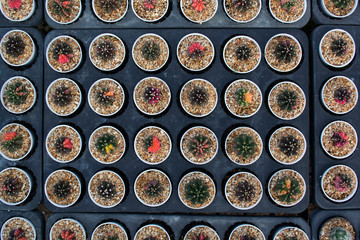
152	145
17	48
17	228
63	54
63	97
109	231
150	52
287	187
152	96
246	232
287	232
288	11
337	48
338	8
63	143
152	232
243	146
195	52
283	52
242	54
16	186
18	95
16	142
150	10
243	98
67	229
110	11
337	228
107	145
339	183
242	11
198	11
201	232
196	190
152	188
106	189
17	10
198	97
243	190
199	145
107	51
339	139
63	11
339	95
287	100
62	188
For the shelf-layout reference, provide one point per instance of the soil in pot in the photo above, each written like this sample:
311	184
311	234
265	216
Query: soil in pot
17	48
291	233
199	145
337	228
106	97
150	10
287	145
242	54
16	141
243	190
110	10
339	139
18	228
201	232
63	97
198	11
150	52
195	52
283	53
152	188
339	183
242	11
67	229
17	10
337	48
243	146
198	97
63	143
106	189
18	95
152	96
107	145
243	98
286	100
196	190
152	145
151	232
339	95
64	54
62	188
288	11
63	11
247	231
15	186
339	8
107	51
109	231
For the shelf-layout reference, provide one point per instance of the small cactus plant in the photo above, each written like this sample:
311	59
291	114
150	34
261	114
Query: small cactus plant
152	95
339	47
149	4
62	189
196	50
198	5
62	52
247	237
62	96
110	237
199	145
67	235
339	233
106	144
198	96
14	46
110	5
287	189
244	146
339	139
105	97
106	190
15	4
342	4
12	141
152	144
150	50
243	97
11	186
285	51
287	5
342	182
245	191
287	100
289	145
243	52
105	50
342	95
153	188
201	236
62	7
242	5
196	191
63	145
16	93
17	234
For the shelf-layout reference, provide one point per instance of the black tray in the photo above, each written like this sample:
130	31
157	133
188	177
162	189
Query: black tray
31	119
175	121
35	20
179	224
319	217
35	217
175	19
322	117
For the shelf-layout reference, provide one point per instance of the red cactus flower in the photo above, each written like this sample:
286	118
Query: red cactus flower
198	5
67	235
339	184
63	59
15	4
149	4
10	136
110	93
155	145
67	143
66	4
339	139
195	50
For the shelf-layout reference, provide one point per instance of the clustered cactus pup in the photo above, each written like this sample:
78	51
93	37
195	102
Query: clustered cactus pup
246	231
110	11
242	11
63	11
18	228
152	232
67	229
109	231
198	11
201	232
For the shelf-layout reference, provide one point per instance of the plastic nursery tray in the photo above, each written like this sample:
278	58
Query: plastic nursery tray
319	217
322	117
175	19
31	119
175	121
35	20
177	225
35	217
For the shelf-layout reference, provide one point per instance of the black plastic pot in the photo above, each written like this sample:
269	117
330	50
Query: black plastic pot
35	20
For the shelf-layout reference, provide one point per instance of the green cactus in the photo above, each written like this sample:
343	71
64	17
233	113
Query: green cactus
287	100
342	4
242	5
107	190
284	51
243	97
339	233
289	145
198	96
105	97
153	188
243	52
196	191
150	50
62	7
110	5
199	145
62	189
288	4
244	146
106	50
287	189
106	144
16	93
12	141
245	191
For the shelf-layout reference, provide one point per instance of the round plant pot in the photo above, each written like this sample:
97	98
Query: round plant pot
96	236
159	17
199	21
121	16
143	232
232	15
76	17
294	20
69	222
330	14
290	230
18	222
240	229
202	229
31	12
336	222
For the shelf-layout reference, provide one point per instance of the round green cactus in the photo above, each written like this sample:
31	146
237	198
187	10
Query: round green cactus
339	233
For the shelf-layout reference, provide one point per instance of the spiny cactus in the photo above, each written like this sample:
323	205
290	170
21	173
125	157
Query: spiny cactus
289	145
105	51
199	145
106	190
14	4
17	234
245	191
12	141
198	96
287	100
153	188
198	5
342	182
196	50
62	7
16	93
149	4
244	146
110	5
242	5
150	50
196	191
340	233
285	51
63	145
201	236
287	189
342	4
342	95
106	144
243	52
152	95
62	96
339	47
62	52
14	46
62	189
152	144
288	5
243	97
105	97
339	139
11	186
67	235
